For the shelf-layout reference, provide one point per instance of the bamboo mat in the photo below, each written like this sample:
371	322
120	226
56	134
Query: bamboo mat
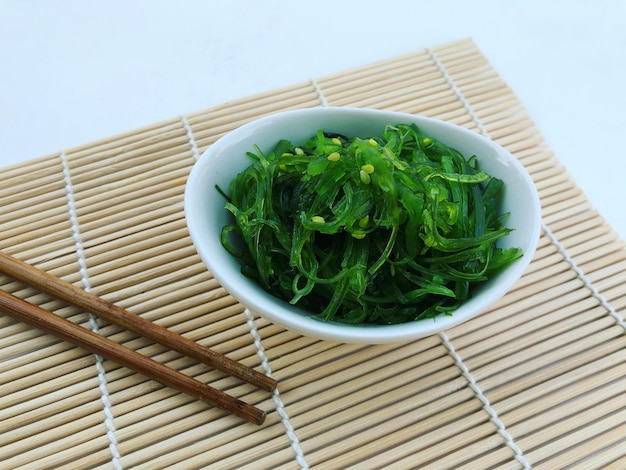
537	381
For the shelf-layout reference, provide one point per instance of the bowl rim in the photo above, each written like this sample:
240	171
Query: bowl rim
293	318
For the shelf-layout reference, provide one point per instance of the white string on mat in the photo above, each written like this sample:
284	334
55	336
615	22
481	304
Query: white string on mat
93	323
458	93
581	275
493	415
192	141
280	406
319	92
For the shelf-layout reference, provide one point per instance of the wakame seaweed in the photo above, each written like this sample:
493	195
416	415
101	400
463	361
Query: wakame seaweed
383	230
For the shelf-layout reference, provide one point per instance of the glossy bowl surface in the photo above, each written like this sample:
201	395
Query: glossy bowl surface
205	213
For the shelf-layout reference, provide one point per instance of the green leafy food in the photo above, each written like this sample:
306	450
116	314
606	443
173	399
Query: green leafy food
385	230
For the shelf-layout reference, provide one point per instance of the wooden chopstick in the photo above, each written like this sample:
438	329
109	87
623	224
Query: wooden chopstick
92	303
97	344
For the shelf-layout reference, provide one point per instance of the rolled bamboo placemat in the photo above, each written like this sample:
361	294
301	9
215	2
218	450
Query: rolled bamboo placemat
537	381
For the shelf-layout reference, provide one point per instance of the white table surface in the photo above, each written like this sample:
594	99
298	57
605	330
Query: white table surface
74	71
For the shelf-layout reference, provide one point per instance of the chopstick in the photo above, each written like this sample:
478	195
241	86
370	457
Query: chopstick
97	344
77	335
92	303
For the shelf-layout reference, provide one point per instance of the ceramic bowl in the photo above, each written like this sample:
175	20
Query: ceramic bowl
205	214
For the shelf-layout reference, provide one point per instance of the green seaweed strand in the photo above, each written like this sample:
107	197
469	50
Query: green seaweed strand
383	230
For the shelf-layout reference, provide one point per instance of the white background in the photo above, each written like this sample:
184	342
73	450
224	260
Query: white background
76	71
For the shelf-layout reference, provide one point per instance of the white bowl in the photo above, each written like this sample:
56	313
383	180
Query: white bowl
205	213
